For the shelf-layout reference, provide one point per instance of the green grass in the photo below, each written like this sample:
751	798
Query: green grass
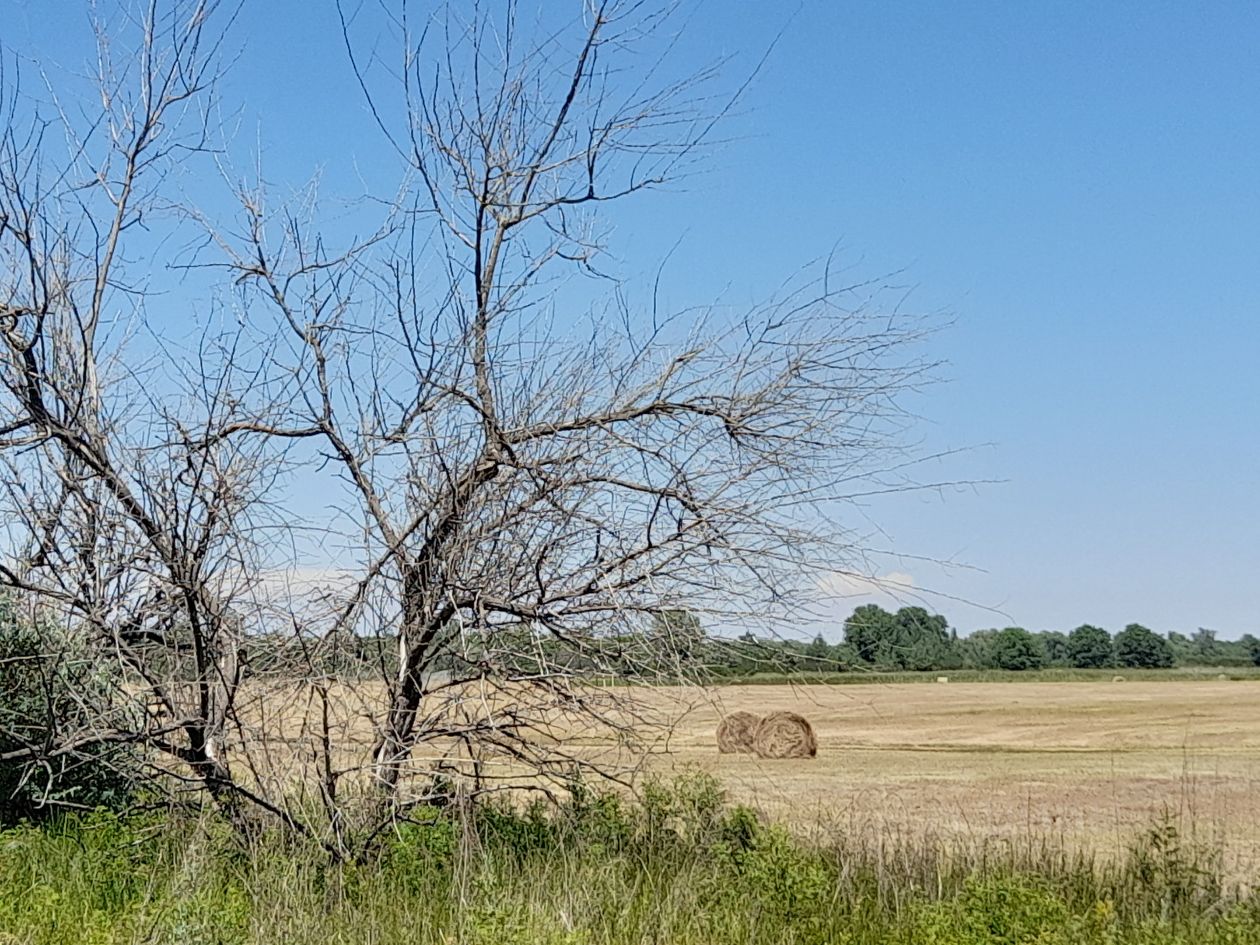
679	867
862	677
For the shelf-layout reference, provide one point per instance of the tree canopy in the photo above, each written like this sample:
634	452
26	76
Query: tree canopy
1090	647
1139	647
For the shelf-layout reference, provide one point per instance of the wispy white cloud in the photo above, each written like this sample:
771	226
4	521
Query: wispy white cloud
895	588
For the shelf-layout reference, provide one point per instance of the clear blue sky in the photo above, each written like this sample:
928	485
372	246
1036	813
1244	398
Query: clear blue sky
1076	184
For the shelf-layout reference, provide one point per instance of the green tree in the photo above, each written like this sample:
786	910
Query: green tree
1182	648
912	638
1138	647
976	649
1206	649
869	631
820	654
921	639
1251	646
1090	647
1016	648
1056	647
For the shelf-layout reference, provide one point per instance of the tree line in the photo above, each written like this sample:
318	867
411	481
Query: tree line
914	639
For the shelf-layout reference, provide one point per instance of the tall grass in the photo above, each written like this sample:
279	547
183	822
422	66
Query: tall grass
678	866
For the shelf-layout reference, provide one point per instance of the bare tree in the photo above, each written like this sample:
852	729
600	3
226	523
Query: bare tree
525	471
536	471
124	525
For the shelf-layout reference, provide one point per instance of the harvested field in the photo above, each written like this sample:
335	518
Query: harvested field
1087	763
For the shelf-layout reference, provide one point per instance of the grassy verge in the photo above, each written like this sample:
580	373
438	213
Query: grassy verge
678	867
872	677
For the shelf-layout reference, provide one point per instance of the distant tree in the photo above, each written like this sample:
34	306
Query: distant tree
819	654
1056	647
679	631
844	657
1138	647
976	649
913	638
869	631
1182	648
921	639
1090	647
954	656
1207	651
1016	648
1251	647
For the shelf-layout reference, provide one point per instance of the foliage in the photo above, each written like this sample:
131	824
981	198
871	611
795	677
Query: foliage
868	631
891	642
678	866
44	678
1090	647
1056	648
1048	674
910	639
676	631
1015	648
1002	910
1251	646
913	640
1140	647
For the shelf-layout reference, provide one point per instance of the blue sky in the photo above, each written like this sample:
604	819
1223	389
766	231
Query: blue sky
1075	185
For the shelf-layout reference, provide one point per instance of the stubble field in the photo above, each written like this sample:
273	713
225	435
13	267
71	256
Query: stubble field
1085	764
1078	765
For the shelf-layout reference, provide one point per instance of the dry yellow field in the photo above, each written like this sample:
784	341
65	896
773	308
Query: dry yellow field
1089	763
1085	764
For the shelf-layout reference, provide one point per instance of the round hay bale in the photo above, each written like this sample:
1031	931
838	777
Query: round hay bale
1117	679
735	732
785	735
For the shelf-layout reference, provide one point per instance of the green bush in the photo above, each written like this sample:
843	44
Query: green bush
46	678
996	910
679	867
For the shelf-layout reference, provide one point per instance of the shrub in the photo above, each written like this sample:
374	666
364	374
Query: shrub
996	910
45	675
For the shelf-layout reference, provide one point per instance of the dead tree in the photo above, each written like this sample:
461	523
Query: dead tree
536	470
126	526
523	479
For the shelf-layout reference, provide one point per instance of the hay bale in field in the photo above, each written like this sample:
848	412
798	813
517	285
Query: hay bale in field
1117	679
735	732
1222	677
942	679
785	735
